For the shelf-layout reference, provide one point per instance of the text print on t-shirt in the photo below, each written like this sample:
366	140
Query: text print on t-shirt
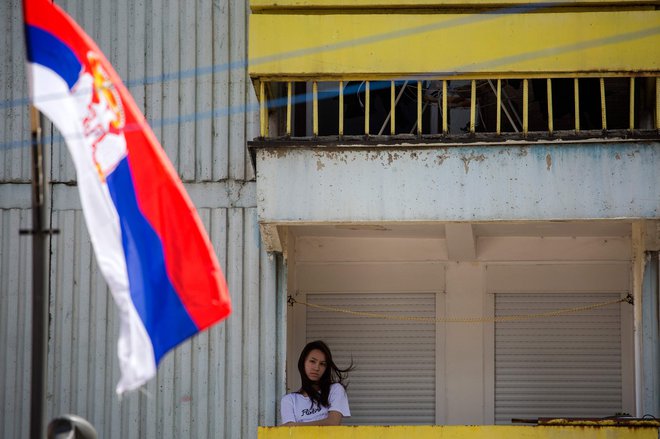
311	411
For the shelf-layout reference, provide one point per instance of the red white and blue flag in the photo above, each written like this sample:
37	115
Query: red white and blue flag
149	242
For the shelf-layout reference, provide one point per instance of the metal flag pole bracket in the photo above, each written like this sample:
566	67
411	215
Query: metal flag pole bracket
37	232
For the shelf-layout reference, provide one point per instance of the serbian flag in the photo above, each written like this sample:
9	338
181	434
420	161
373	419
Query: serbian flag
149	242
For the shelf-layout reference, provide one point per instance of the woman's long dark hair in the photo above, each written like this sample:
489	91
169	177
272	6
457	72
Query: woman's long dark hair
332	375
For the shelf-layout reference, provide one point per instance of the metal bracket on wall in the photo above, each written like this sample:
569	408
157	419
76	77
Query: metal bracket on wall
34	232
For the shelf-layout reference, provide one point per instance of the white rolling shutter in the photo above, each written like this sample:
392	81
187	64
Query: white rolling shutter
567	366
394	377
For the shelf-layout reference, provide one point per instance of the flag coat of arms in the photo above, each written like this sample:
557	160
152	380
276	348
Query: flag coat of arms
148	239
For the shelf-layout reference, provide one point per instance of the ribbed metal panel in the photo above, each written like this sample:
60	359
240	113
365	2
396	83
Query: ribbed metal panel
15	318
14	120
223	383
185	65
569	365
394	377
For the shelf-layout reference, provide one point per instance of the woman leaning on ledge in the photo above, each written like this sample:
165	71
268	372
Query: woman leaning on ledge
322	398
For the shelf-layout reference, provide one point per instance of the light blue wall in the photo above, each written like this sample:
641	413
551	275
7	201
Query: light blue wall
459	183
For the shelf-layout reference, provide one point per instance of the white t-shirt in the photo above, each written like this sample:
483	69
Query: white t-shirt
298	408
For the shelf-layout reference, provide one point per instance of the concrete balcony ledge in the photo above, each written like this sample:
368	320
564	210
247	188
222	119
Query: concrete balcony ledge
582	431
458	183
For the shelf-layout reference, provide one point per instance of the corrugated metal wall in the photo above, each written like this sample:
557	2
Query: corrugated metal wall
184	63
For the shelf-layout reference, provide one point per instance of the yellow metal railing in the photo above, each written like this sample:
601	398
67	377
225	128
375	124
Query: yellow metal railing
281	95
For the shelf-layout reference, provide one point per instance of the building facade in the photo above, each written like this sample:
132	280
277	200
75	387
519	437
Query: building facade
460	190
474	205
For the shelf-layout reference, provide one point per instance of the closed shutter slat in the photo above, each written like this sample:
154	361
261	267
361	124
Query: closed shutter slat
561	366
394	377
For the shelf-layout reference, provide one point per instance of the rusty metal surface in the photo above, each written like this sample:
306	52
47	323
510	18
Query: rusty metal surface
596	422
592	422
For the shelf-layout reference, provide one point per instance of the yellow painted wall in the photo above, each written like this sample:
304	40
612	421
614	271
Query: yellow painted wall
458	432
260	5
396	44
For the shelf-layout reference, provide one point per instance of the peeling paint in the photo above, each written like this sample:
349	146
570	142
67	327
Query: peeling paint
336	155
391	157
278	153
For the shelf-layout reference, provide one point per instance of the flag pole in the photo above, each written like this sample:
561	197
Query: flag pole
39	283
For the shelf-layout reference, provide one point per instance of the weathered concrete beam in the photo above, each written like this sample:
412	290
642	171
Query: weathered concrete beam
581	181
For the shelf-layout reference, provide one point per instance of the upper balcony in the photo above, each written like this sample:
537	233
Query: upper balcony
455	69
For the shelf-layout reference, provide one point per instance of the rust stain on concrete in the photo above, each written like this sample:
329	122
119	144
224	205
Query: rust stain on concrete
548	161
440	159
277	153
467	160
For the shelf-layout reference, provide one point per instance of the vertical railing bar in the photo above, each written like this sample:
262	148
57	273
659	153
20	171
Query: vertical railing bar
550	115
263	114
445	110
576	100
288	108
525	106
341	108
503	107
390	114
632	103
392	108
473	105
419	108
315	108
499	106
367	107
603	107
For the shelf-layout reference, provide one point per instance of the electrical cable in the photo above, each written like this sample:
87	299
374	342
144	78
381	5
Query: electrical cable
497	319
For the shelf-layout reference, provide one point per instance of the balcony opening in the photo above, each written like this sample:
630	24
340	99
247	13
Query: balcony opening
464	108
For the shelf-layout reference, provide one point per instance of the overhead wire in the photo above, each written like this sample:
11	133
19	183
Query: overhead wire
491	319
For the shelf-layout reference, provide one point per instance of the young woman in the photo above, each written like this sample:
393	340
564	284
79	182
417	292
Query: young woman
322	398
